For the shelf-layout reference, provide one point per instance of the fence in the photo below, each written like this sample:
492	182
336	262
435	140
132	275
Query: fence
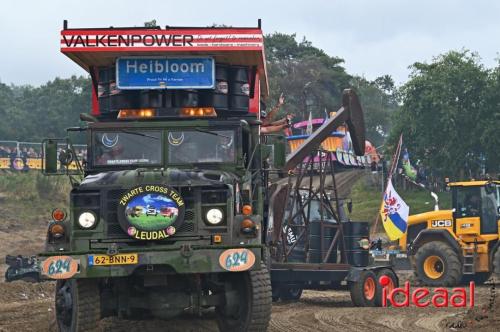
24	156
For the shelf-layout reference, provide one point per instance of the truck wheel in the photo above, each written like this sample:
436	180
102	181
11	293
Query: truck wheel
78	305
290	293
437	264
363	291
250	309
393	283
496	261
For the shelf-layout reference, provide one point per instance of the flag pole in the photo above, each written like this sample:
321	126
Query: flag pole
392	169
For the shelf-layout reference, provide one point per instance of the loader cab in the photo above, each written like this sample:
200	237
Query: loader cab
476	207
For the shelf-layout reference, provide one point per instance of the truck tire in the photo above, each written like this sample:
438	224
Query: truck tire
496	262
78	305
393	283
253	311
437	264
363	291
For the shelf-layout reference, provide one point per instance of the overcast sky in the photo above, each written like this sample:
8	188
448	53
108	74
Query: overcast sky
374	37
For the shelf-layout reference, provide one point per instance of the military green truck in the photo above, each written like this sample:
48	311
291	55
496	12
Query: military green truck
180	204
166	210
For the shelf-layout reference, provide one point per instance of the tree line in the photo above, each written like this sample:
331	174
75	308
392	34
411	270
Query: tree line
448	110
450	116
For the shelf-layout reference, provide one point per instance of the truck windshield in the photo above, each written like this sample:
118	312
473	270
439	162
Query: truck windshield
201	146
127	147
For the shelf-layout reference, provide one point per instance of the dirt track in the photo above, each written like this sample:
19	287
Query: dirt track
29	307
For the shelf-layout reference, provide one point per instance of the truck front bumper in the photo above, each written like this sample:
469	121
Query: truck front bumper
184	260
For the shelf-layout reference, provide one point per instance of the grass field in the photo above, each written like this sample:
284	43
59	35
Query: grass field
367	197
151	222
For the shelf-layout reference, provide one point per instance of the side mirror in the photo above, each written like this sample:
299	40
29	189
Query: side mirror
49	157
490	188
66	157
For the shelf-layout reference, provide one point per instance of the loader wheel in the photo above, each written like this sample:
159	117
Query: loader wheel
363	291
437	264
249	306
78	305
393	283
496	262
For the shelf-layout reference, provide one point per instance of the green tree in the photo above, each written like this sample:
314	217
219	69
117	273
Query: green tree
443	105
489	122
313	81
310	79
33	113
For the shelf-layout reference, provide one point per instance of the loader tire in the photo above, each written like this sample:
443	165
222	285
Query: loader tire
496	262
437	264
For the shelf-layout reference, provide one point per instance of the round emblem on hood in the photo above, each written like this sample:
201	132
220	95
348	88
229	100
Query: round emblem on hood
151	212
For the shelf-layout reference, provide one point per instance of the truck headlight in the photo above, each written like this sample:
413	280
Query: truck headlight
87	220
214	216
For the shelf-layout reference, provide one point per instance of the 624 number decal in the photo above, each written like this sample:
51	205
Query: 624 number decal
60	267
236	260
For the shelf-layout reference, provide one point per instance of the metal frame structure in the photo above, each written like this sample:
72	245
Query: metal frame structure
301	197
301	189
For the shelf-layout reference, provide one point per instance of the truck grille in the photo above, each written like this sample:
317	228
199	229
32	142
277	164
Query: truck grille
114	230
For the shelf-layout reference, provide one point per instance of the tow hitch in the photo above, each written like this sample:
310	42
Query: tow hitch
22	268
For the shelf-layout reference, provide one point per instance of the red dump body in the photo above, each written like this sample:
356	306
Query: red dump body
96	48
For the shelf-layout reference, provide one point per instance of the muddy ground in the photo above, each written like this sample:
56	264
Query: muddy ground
29	307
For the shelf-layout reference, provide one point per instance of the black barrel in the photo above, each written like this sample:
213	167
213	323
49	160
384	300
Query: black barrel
151	98
186	98
220	98
120	99
239	89
353	233
315	255
103	89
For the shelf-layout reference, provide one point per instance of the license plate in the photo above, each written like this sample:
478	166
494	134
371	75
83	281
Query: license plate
120	259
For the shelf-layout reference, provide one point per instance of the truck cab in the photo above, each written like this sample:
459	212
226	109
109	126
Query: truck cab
167	214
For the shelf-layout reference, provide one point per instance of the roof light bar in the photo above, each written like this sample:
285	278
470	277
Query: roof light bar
136	113
198	112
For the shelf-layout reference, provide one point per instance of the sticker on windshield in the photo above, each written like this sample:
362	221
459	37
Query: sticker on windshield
127	147
109	142
175	141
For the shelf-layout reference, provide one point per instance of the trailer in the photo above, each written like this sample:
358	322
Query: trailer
312	244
